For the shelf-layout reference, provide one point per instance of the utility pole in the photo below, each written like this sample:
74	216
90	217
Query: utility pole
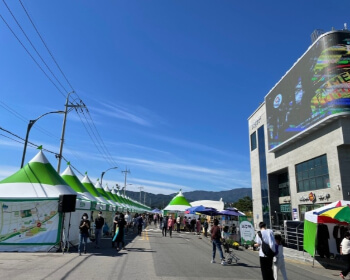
126	171
82	105
141	188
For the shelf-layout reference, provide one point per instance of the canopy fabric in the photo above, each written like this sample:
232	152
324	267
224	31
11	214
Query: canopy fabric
325	214
36	179
156	210
309	243
103	194
104	205
72	180
111	196
229	212
209	212
217	204
194	209
178	203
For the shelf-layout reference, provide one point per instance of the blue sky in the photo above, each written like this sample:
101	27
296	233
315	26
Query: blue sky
169	84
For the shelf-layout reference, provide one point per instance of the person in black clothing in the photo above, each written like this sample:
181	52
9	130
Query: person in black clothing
139	224
165	225
193	224
205	226
121	223
99	222
84	232
115	221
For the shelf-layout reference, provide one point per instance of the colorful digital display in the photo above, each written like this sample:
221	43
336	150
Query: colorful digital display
317	87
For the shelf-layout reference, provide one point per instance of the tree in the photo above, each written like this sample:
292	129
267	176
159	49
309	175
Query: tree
244	204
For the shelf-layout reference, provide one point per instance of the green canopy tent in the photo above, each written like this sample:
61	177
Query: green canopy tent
178	204
30	197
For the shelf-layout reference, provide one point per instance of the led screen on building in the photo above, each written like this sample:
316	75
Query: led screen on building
317	87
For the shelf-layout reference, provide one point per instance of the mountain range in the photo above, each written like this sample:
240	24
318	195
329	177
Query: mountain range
161	200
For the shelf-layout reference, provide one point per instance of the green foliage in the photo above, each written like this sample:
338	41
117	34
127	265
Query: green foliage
244	204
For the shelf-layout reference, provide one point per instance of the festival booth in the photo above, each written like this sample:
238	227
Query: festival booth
324	228
30	220
72	221
113	198
105	206
177	206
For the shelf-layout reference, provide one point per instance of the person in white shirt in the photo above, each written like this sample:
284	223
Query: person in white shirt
128	221
265	261
278	260
345	250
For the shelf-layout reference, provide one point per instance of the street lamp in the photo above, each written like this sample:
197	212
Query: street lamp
103	173
30	125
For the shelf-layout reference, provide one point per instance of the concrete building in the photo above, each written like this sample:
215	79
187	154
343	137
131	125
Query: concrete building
300	135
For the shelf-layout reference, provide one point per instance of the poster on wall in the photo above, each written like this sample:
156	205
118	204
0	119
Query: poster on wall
246	229
29	222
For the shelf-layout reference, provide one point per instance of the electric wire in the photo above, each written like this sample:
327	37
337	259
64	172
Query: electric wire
30	42
101	139
47	48
88	132
34	145
47	76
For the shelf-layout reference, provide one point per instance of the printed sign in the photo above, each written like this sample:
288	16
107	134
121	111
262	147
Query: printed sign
29	222
247	231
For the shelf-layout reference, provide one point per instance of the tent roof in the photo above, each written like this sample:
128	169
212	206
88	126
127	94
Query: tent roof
72	180
90	187
178	203
217	204
36	179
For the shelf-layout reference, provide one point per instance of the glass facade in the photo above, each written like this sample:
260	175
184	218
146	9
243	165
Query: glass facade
263	176
283	185
312	174
253	141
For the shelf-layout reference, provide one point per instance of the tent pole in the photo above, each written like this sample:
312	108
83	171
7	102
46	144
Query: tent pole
313	259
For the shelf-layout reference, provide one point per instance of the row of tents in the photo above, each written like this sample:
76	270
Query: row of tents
29	198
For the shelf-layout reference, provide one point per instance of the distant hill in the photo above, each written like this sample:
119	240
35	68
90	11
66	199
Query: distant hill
162	200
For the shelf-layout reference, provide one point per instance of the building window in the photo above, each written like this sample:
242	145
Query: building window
312	174
253	141
283	184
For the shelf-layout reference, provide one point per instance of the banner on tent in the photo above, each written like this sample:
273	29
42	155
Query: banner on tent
246	229
29	222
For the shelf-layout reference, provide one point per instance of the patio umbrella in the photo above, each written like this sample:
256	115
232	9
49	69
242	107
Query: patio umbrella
194	209
209	212
341	213
228	212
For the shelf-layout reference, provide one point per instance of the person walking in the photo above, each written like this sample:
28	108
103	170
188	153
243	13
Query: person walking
128	222
170	225
278	260
193	224
139	224
84	227
266	236
198	226
165	224
345	251
115	222
215	239
205	226
178	222
120	237
99	222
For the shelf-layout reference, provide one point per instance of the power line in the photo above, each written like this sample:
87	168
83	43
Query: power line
101	139
47	48
30	42
107	159
34	145
47	76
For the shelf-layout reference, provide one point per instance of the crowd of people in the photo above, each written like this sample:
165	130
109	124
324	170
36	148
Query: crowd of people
270	245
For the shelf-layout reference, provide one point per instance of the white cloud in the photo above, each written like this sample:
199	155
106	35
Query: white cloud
6	171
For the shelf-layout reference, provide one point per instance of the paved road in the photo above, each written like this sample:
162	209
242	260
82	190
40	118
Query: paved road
150	256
